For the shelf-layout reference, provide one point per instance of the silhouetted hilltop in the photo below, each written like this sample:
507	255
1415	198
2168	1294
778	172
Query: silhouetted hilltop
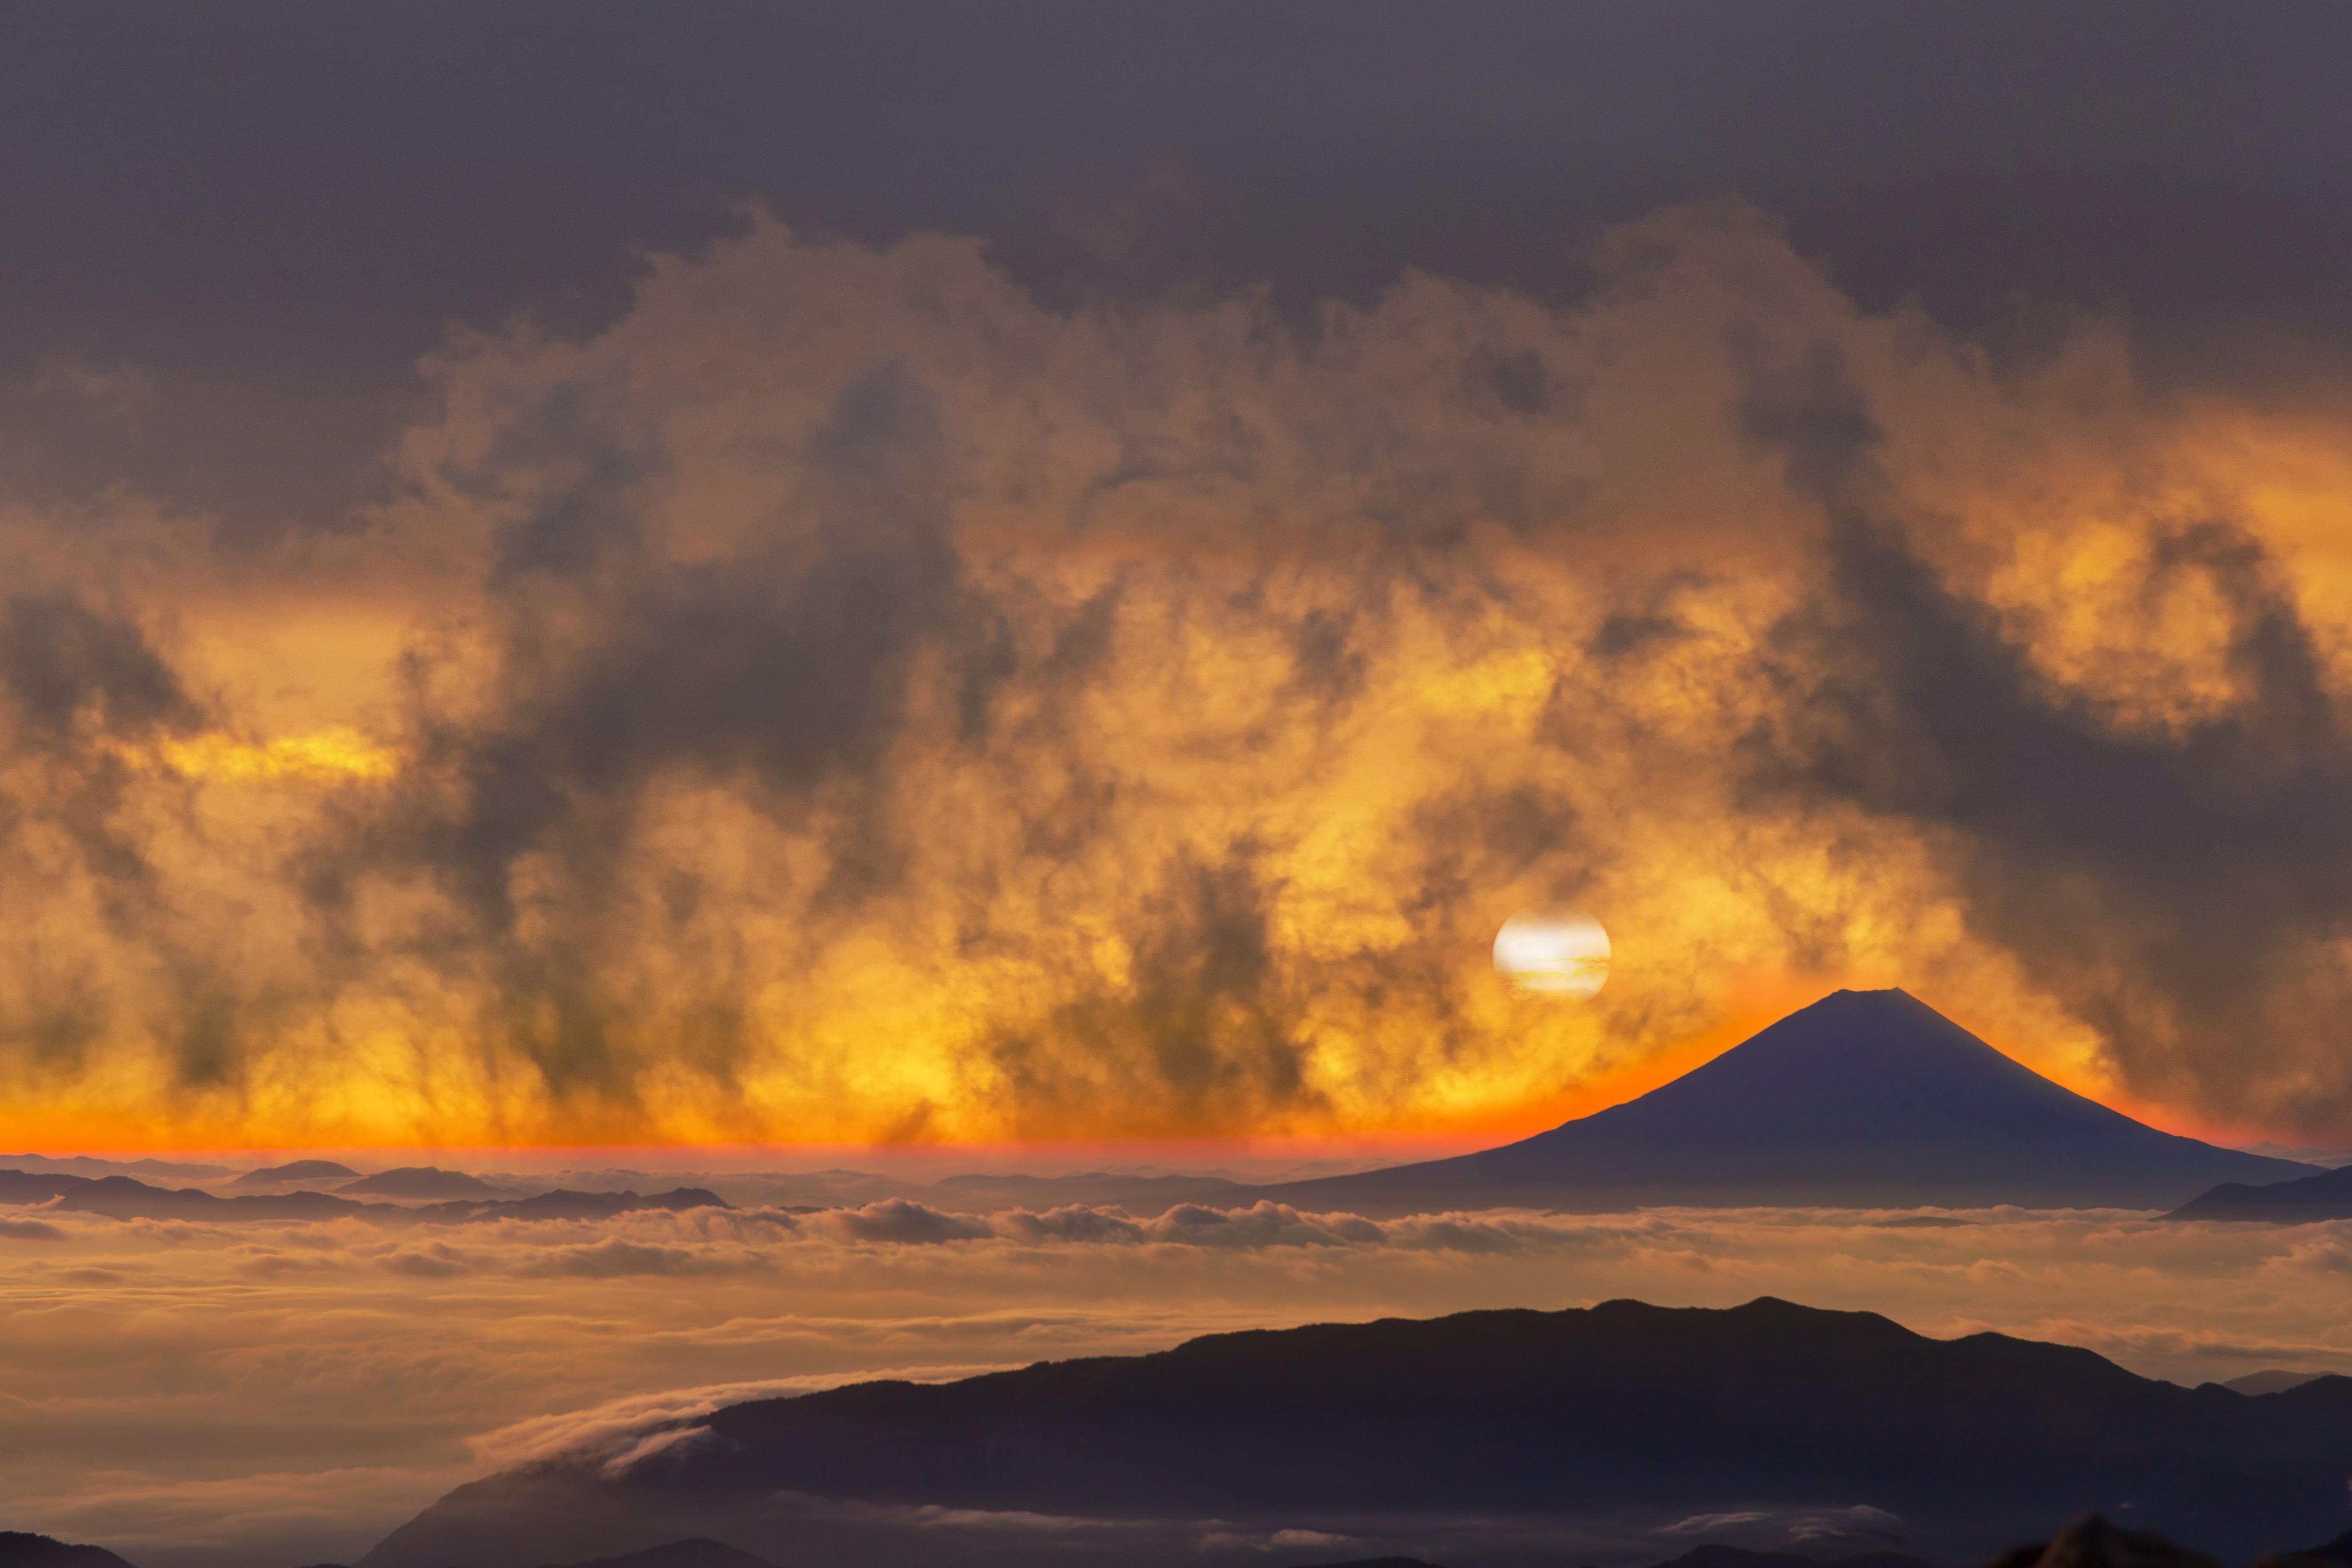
700	1551
294	1170
2328	1196
19	1549
1866	1099
122	1197
89	1165
427	1182
1622	1410
2336	1551
2274	1381
1716	1555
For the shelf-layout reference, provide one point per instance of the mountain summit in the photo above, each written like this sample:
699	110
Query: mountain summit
1866	1099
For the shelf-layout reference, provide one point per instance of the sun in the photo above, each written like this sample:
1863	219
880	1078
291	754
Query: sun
1554	951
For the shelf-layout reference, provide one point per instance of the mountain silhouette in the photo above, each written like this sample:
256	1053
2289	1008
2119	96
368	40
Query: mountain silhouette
700	1552
120	1197
2328	1196
299	1170
20	1549
427	1181
1458	1439
1866	1099
1717	1555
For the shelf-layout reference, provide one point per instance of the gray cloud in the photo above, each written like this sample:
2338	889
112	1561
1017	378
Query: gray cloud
2184	887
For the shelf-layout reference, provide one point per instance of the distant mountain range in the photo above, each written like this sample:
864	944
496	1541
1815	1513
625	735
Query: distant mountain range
89	1165
2328	1196
121	1197
299	1170
1866	1099
428	1182
1481	1438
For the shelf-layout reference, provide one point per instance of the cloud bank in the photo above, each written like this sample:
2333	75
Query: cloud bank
182	1392
847	698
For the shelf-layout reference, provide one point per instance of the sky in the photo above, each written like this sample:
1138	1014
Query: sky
828	575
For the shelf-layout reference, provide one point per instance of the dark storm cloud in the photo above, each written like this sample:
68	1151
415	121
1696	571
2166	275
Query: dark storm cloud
269	212
78	683
85	691
2182	887
1199	1024
782	671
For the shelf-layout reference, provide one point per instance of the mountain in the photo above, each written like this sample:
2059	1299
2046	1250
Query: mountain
1716	1555
120	1197
2274	1381
21	1550
1866	1099
1468	1439
86	1165
2336	1551
700	1552
297	1170
2328	1196
427	1181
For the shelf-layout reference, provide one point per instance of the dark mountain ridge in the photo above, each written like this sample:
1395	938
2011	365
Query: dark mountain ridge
1627	1412
2306	1200
1866	1099
121	1197
297	1170
428	1182
21	1548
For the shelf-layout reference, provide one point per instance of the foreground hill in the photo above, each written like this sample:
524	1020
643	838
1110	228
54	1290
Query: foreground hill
19	1549
1466	1439
1866	1099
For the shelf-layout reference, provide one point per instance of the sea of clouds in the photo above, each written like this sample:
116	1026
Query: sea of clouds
198	1394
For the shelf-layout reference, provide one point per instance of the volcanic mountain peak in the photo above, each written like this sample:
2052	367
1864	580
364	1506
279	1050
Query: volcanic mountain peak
1859	1062
1866	1099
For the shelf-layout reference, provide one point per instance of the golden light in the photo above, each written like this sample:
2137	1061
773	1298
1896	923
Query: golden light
1552	952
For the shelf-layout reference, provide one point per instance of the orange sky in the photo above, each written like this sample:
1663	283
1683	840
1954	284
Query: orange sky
847	702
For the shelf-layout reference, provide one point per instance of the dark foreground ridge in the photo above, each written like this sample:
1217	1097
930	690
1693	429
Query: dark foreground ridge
1866	1099
2328	1196
2089	1543
700	1551
121	1197
1461	1440
1716	1555
20	1550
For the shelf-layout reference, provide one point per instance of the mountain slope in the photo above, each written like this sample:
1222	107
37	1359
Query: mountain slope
19	1549
1393	1432
2328	1196
1868	1099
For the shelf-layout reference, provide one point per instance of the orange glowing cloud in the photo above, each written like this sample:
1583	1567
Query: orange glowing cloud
847	699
